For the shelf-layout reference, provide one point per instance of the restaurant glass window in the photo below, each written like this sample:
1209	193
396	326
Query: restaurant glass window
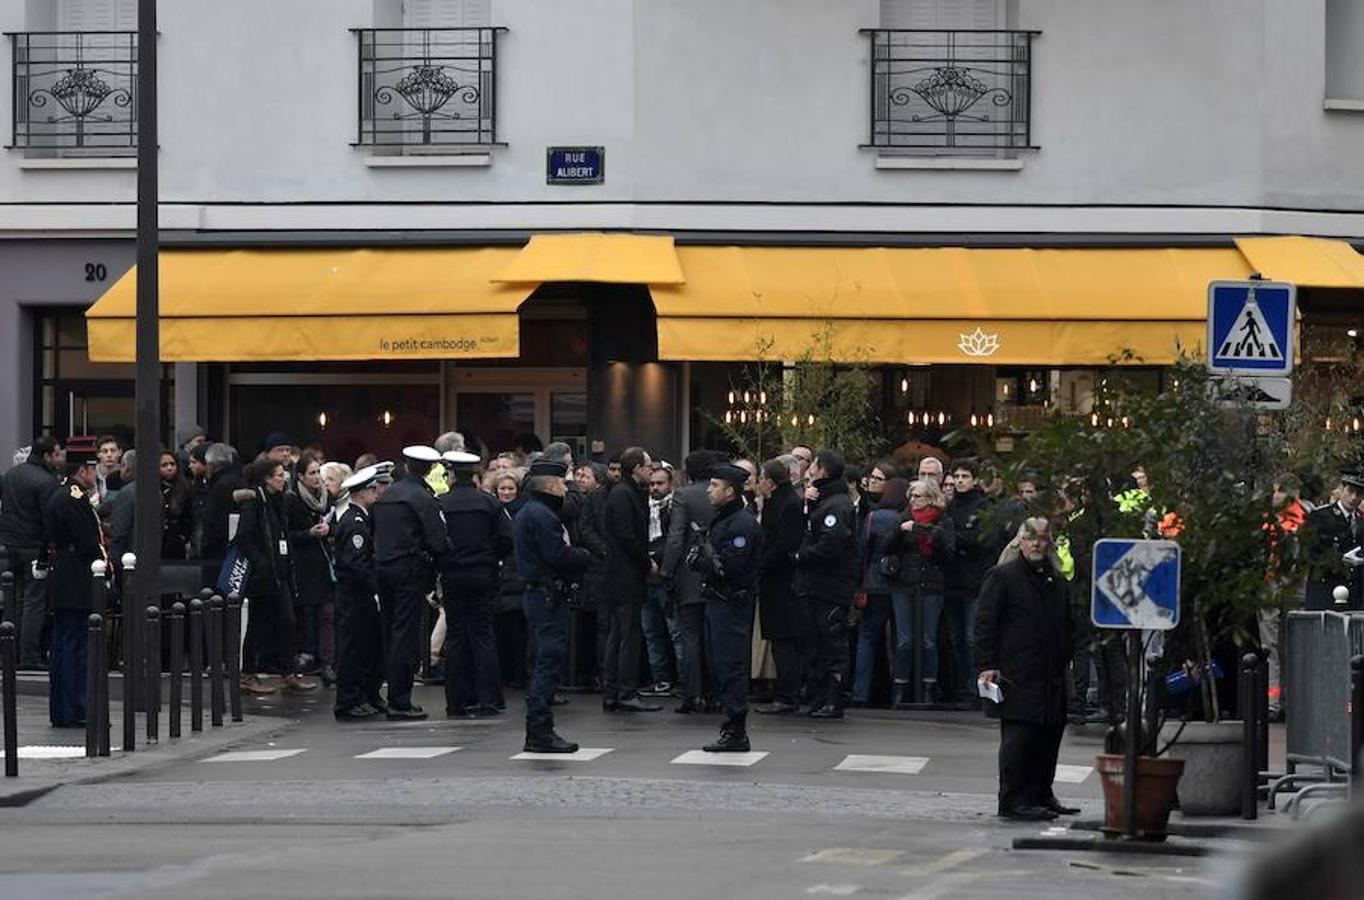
71	394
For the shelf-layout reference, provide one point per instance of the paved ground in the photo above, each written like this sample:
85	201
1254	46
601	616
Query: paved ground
442	808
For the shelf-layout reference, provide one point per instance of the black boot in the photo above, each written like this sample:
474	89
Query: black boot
733	737
547	741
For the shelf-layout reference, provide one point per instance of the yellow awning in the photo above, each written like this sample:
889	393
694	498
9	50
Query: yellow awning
949	305
303	305
1305	261
603	258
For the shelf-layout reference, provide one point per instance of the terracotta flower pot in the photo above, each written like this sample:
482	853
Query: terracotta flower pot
1157	779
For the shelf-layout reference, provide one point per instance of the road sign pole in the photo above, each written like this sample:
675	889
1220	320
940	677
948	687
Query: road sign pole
1129	781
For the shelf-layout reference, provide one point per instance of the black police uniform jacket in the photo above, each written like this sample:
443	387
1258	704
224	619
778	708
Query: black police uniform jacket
827	561
542	549
735	540
480	535
353	546
71	527
1327	534
977	542
23	504
1025	629
626	529
783	526
407	523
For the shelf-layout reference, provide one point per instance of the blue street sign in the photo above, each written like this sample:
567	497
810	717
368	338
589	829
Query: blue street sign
1250	327
575	165
1135	585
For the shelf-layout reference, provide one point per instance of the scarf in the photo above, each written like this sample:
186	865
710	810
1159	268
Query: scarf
926	516
314	500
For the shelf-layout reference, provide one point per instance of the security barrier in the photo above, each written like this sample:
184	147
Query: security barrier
1317	653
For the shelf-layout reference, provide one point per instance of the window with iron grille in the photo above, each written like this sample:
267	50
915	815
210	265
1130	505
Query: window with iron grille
427	89
950	78
74	92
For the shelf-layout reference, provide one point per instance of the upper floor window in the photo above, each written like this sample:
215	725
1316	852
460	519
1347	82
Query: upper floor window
430	85
75	79
949	77
1344	59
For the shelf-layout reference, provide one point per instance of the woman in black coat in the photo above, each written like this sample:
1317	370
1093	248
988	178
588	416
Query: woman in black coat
785	622
177	508
263	536
510	624
307	505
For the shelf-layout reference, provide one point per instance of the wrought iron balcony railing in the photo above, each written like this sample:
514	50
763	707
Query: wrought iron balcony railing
427	87
951	92
75	90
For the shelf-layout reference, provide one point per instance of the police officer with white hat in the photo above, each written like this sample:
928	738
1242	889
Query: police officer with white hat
409	548
359	631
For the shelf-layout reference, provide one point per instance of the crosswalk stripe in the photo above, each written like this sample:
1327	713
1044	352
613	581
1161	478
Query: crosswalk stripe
702	758
46	751
583	754
408	752
1072	774
255	755
890	765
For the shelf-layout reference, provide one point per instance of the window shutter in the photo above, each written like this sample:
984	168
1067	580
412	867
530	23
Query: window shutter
97	15
447	13
909	14
929	14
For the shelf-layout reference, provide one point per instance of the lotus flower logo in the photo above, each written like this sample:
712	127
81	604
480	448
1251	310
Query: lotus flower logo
978	343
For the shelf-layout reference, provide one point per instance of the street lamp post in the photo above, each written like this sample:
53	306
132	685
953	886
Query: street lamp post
147	509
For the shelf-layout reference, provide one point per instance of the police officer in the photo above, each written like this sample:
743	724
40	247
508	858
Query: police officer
826	577
359	631
1329	533
72	535
409	548
480	538
728	563
546	560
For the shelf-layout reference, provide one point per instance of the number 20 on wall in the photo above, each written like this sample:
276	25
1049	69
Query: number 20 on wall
96	272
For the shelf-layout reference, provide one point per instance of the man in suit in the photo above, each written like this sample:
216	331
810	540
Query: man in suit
689	516
625	581
1329	533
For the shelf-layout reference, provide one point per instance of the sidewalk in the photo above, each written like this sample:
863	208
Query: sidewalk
51	757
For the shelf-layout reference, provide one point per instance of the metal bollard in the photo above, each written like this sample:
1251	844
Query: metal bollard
196	665
1356	720
177	665
215	660
152	643
10	603
94	645
8	657
1262	715
234	654
1250	770
130	653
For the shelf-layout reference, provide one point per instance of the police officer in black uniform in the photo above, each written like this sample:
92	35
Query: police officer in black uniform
728	564
409	548
1328	534
359	631
548	563
826	578
72	537
480	538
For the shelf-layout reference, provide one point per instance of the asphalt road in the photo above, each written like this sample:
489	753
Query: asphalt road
441	809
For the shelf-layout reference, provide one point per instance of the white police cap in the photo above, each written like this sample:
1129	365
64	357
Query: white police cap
362	479
384	471
461	458
422	453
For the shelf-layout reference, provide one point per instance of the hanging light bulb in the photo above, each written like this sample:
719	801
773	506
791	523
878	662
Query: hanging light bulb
746	397
990	420
973	420
942	418
743	417
811	419
731	398
1328	423
1124	421
911	417
762	397
1006	390
322	420
904	385
729	417
1094	419
386	418
794	423
1032	385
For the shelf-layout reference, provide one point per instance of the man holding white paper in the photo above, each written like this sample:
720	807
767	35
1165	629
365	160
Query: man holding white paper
1025	636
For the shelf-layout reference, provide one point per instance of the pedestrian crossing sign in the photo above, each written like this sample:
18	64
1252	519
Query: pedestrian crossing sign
1250	327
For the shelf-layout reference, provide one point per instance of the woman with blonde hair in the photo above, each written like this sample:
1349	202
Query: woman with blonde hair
913	557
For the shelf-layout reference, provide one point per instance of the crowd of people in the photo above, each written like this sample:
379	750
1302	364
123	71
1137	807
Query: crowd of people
820	584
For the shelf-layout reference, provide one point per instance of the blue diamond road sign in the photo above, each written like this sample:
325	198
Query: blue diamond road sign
1136	584
1250	327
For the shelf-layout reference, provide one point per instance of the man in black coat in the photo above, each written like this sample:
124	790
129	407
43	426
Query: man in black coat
689	516
223	479
625	581
480	538
977	549
1025	636
785	619
1329	533
826	578
71	527
23	500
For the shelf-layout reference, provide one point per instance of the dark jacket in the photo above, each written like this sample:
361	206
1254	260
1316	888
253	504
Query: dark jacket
1025	629
23	503
73	540
1326	536
511	586
263	524
690	505
310	555
541	546
407	523
827	563
353	544
218	507
783	524
978	544
876	531
177	514
921	574
735	540
118	514
626	529
479	533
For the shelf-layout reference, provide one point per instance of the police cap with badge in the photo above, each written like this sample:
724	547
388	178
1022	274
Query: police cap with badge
460	460
1353	479
421	454
367	477
383	471
735	475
